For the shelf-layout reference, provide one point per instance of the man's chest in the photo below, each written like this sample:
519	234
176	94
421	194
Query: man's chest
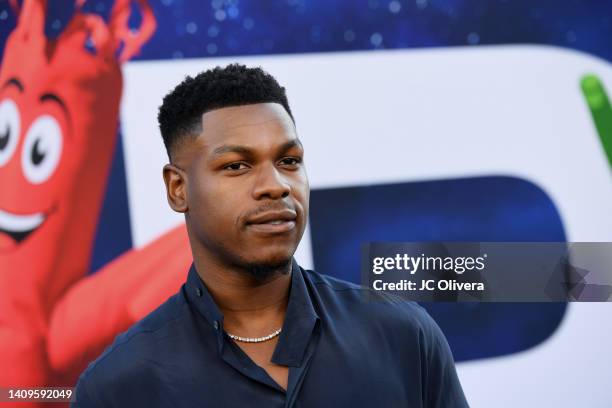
336	371
358	382
261	355
362	375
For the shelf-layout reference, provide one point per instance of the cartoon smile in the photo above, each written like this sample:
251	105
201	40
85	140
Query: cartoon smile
19	227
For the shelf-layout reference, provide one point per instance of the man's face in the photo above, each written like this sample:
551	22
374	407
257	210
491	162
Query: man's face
246	190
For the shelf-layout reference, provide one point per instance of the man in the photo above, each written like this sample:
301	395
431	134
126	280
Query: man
250	327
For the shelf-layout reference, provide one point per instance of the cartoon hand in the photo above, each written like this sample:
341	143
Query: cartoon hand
100	306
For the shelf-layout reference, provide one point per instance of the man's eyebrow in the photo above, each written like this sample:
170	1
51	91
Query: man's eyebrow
249	152
232	149
15	82
288	145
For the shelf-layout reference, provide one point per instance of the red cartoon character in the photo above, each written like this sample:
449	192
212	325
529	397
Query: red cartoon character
59	104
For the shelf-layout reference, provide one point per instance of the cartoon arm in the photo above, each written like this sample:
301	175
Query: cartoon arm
99	307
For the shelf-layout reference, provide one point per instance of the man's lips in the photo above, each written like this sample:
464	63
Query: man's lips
19	226
273	228
273	221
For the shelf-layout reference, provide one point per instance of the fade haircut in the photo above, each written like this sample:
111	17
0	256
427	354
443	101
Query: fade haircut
180	114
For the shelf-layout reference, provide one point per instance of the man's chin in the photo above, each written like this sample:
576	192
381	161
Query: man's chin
265	268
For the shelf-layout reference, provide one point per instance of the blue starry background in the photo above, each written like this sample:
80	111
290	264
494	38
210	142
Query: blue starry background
517	210
194	28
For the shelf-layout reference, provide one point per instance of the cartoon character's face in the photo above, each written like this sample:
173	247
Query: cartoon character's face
58	125
35	133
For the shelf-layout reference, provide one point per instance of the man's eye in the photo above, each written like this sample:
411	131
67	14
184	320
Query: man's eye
291	161
235	166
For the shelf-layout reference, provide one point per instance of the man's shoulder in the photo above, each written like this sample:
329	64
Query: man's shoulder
403	328
124	361
375	307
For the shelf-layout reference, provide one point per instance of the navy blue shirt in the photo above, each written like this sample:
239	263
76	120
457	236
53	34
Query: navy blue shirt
344	345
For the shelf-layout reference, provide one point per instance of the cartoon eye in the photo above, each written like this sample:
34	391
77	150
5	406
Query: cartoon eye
9	129
42	149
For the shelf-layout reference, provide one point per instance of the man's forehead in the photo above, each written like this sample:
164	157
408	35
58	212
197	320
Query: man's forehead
233	119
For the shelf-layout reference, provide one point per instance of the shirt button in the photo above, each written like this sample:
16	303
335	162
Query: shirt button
216	325
199	292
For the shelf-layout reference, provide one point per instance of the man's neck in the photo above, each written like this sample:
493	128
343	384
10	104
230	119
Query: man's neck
251	307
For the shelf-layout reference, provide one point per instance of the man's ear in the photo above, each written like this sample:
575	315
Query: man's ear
175	179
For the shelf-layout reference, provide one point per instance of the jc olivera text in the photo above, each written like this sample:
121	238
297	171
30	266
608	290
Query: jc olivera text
427	285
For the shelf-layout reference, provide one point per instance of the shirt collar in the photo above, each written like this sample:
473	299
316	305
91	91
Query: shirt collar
198	295
300	318
300	321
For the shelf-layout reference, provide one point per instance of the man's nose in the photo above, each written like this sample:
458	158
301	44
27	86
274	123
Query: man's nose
271	184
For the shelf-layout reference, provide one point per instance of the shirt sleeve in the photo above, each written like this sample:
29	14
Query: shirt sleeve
82	397
442	388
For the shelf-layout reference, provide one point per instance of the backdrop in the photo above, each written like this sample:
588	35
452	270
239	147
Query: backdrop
422	120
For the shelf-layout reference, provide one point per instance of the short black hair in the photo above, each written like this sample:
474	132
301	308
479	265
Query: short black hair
181	112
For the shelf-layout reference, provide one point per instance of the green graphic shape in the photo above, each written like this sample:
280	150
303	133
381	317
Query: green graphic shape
601	111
